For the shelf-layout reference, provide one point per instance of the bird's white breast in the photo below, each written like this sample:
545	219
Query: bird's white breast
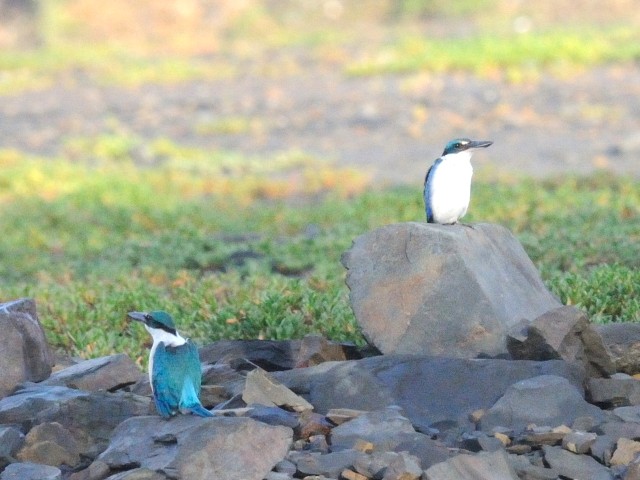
168	339
451	187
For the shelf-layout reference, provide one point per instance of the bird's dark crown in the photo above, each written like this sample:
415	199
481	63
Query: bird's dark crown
461	144
155	319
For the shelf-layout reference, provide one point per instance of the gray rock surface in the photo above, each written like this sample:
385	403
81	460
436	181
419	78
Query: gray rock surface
547	400
481	466
570	465
196	448
90	417
30	471
329	465
405	281
388	431
433	392
623	341
11	439
563	333
621	390
50	444
24	353
137	474
104	373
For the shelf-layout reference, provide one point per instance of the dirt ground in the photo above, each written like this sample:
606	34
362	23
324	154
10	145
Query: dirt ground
391	125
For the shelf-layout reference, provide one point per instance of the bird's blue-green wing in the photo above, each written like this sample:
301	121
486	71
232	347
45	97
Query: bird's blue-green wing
176	378
428	189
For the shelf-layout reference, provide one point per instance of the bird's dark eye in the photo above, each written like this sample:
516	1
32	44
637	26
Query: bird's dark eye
458	145
148	317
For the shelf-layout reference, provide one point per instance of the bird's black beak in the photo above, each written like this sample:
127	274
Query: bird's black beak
479	144
138	316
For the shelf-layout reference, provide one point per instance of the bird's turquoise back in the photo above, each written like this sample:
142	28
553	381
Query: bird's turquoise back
176	378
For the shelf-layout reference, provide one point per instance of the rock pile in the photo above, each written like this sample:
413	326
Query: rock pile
548	405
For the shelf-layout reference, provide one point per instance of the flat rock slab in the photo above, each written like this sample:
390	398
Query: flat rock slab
447	290
30	471
433	392
196	448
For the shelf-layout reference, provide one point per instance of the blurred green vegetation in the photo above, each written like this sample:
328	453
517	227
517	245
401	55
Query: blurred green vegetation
184	41
92	240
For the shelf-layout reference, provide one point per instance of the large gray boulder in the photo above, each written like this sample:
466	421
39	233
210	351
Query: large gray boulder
446	290
196	448
434	392
24	353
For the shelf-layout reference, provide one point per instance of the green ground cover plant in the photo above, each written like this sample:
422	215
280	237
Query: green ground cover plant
93	240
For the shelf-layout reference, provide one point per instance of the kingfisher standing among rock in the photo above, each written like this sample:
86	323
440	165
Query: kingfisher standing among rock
174	366
447	186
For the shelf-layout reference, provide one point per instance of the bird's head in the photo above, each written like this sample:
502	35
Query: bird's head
155	321
464	144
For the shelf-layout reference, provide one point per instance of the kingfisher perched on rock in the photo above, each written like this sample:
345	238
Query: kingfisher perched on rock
174	366
447	185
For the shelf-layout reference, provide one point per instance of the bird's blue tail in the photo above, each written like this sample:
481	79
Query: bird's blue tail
200	411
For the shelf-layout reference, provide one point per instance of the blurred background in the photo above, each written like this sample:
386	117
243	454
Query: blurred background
215	158
379	86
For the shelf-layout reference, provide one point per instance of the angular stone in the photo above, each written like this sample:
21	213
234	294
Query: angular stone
312	423
376	382
11	439
615	429
351	475
623	341
626	451
602	449
30	471
563	333
571	465
198	449
628	414
96	471
403	467
24	353
273	416
527	471
481	466
262	388
315	349
50	444
375	464
401	278
329	465
340	415
614	392
388	430
105	373
544	400
278	476
579	442
138	474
